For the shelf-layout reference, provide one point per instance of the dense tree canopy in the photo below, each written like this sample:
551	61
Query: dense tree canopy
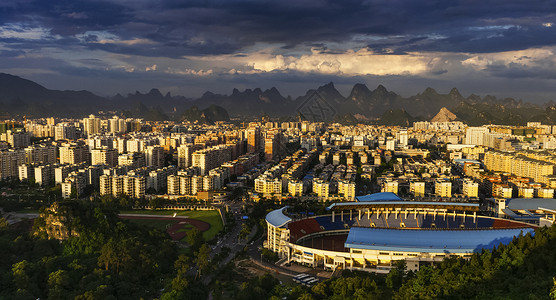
106	258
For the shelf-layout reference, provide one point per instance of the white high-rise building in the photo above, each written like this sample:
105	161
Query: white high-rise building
74	154
17	139
443	188
10	160
105	185
185	185
173	185
64	131
347	189
91	125
134	186
417	188
105	156
390	187
470	188
390	144
117	125
44	175
321	188
210	158
26	172
475	135
154	156
185	153
403	138
40	154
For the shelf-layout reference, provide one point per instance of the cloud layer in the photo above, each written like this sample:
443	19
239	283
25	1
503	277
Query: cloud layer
495	47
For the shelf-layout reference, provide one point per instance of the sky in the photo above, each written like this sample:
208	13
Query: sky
502	48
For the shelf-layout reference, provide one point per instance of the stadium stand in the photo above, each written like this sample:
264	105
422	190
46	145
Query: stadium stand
412	221
301	228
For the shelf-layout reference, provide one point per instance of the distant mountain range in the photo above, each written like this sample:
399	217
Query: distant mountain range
19	96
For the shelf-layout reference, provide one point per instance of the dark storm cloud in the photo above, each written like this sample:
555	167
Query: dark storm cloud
516	71
11	53
74	40
223	27
66	17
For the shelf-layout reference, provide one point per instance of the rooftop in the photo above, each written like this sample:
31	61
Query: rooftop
530	203
277	218
433	241
384	196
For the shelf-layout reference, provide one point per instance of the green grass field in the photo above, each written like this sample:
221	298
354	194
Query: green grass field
210	216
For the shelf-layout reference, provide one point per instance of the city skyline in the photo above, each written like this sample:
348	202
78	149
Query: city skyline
186	48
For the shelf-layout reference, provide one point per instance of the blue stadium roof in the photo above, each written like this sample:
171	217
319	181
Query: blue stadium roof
277	218
433	241
384	196
530	203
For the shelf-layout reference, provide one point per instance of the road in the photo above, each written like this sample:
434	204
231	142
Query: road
230	240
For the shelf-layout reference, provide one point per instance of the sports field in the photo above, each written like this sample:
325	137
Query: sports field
179	227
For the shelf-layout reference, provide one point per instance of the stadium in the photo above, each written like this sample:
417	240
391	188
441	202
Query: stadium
376	230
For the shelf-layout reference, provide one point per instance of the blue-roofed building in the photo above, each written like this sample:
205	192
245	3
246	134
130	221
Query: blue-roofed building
383	196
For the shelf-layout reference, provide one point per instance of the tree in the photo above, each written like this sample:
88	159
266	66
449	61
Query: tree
3	224
116	254
19	273
245	230
182	265
203	259
108	255
195	239
58	284
156	203
394	279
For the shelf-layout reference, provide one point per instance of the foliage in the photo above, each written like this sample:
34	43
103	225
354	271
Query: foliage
245	230
194	239
109	259
522	269
269	255
257	288
203	259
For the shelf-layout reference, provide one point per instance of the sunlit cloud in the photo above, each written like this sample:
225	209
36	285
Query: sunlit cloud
347	63
190	72
526	58
130	42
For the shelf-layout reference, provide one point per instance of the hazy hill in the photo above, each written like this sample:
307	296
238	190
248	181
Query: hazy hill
24	97
248	102
209	115
396	117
